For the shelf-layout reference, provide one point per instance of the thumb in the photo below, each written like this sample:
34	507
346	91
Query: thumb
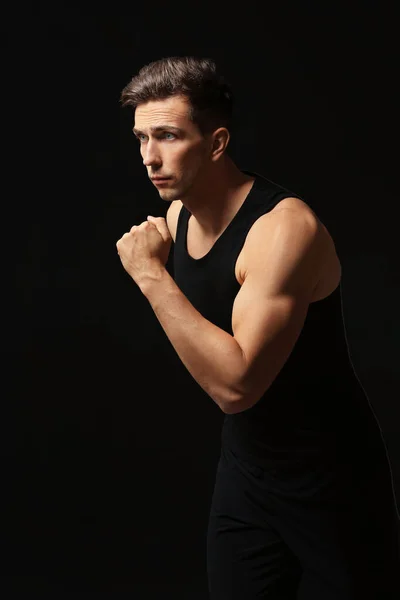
161	225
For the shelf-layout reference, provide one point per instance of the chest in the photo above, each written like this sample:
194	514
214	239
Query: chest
199	246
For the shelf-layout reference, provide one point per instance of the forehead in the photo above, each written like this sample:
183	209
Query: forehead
172	111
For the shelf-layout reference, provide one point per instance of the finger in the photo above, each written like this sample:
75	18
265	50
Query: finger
161	225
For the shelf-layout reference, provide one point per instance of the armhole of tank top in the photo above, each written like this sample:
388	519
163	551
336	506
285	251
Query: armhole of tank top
179	220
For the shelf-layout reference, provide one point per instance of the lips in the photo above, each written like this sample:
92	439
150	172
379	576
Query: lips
161	181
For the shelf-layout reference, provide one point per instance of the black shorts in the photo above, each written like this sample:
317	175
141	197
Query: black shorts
324	534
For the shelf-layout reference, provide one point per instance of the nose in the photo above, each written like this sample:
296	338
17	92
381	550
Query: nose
151	156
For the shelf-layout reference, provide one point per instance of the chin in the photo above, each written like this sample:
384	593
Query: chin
169	195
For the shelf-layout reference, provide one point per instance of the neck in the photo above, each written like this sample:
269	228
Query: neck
218	198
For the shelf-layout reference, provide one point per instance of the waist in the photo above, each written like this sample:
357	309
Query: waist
296	448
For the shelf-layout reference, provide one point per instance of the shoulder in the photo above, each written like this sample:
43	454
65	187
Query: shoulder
172	217
287	208
291	215
291	233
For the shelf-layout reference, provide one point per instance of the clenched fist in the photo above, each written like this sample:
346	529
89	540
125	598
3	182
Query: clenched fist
144	250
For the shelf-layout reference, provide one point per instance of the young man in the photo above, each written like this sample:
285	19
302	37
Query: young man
303	505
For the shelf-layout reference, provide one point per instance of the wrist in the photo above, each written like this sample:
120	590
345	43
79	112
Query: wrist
152	280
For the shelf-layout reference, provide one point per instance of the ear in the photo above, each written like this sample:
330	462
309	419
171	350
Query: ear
220	140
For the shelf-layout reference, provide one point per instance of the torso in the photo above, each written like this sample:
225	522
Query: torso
198	246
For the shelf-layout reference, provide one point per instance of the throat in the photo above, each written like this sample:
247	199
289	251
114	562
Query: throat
210	227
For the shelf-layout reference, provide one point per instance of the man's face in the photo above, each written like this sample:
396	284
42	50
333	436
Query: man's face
171	145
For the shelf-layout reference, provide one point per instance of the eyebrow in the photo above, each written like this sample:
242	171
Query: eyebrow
158	128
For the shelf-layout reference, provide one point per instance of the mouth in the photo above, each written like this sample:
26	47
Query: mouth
161	181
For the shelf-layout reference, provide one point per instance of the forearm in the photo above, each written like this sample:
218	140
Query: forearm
210	354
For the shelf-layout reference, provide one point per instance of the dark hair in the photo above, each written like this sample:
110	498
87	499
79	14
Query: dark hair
209	95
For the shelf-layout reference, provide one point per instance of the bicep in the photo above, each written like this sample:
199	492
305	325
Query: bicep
267	334
271	307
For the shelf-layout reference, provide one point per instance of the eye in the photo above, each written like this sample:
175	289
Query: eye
141	137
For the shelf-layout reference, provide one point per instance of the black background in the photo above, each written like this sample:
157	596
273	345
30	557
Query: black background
109	445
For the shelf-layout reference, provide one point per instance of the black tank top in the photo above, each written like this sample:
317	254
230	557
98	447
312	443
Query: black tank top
316	408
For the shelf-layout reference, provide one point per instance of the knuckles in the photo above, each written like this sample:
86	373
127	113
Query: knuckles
143	225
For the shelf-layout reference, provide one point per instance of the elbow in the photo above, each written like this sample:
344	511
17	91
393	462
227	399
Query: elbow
226	406
250	393
230	408
237	404
229	404
244	401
